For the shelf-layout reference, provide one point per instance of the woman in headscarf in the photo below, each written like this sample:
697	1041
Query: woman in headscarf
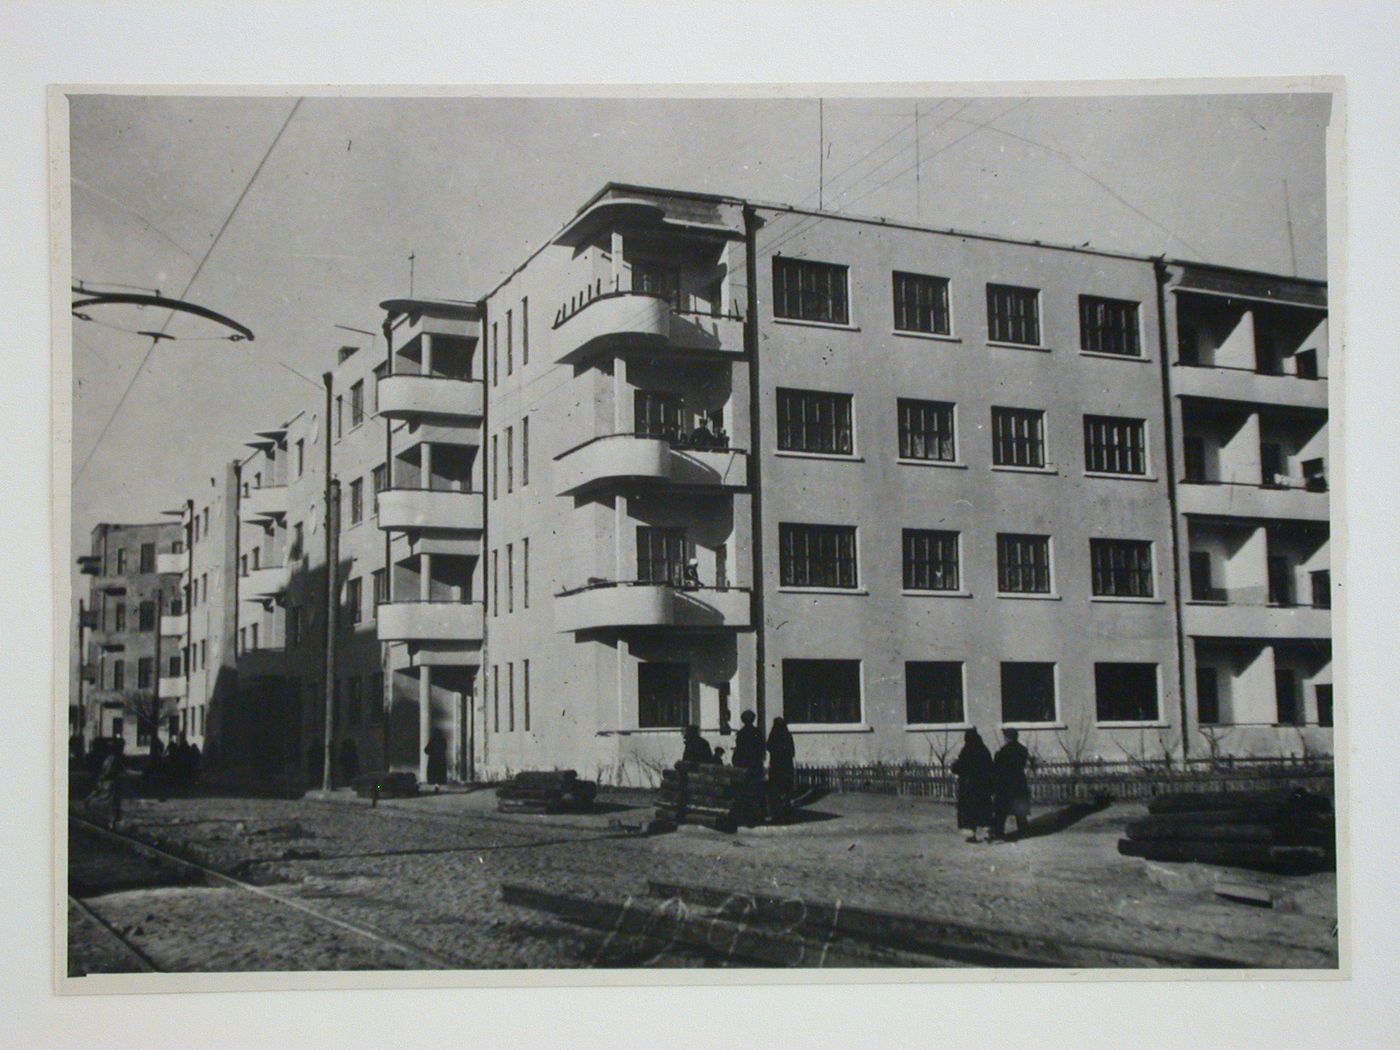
976	782
781	753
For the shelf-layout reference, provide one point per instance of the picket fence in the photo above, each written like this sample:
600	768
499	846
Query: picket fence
1053	782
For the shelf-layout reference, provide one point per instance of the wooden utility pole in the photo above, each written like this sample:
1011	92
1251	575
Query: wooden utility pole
332	497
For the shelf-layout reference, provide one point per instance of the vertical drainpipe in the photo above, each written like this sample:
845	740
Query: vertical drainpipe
1169	439
332	497
751	226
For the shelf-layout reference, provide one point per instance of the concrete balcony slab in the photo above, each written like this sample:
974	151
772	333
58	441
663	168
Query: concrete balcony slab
1218	620
173	626
170	563
444	621
268	501
430	510
620	458
263	583
173	688
620	606
415	396
1235	384
1251	501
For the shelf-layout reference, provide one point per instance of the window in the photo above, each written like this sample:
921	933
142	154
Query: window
510	342
525	574
357	403
495	357
1122	568
118	727
339	416
921	304
1108	326
1207	695
148	557
1314	475
1321	588
663	695
661	555
495	466
253	636
926	431
1125	692
1023	564
1305	364
145	668
510	577
1194	450
817	555
510	698
1027	692
812	421
194	529
809	291
1202	585
301	457
1290	707
357	501
933	692
205	516
298	540
121	561
119	617
1114	446
173	667
657	414
822	691
147	614
1013	315
930	560
203	655
378	482
510	459
525	691
381	586
496	698
354	699
353	597
119	674
143	731
1324	705
495	583
1273	465
380	371
524	341
1018	437
525	452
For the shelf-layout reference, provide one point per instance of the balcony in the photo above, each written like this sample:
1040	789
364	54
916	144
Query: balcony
1266	622
1219	499
639	320
1242	384
613	605
269	501
263	583
631	458
172	688
403	396
431	621
172	624
430	510
173	562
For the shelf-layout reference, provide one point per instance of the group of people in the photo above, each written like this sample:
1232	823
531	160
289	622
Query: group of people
991	790
750	751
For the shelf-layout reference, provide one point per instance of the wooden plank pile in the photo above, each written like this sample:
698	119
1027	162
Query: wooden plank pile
720	797
385	785
1290	831
547	791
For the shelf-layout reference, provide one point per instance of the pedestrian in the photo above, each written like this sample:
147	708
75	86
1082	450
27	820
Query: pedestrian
1013	790
436	750
110	781
718	758
781	753
973	768
748	743
696	748
690	575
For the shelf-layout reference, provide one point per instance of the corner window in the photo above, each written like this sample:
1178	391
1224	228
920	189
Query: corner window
809	291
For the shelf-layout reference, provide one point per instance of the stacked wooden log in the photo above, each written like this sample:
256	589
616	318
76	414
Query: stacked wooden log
550	791
1289	831
715	796
385	785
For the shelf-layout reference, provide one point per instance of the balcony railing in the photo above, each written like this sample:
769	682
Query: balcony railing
638	319
619	604
408	396
646	458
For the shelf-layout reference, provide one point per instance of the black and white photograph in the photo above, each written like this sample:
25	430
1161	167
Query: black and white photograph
810	529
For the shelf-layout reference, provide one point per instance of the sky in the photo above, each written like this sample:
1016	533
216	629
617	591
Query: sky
470	186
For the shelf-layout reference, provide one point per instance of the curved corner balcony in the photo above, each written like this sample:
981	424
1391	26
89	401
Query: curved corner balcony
626	458
431	621
613	605
639	320
269	501
263	584
172	562
408	397
172	625
430	510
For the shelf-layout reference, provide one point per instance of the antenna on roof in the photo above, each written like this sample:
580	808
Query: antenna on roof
411	257
1288	218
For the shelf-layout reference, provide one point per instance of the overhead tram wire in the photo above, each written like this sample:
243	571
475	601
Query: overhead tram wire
188	285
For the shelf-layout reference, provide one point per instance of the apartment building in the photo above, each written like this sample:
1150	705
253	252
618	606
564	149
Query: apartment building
1249	385
132	670
209	586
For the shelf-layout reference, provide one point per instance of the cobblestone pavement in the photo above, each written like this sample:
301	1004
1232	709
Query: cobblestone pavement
428	872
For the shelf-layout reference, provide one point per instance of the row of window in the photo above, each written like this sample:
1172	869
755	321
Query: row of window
825	556
510	458
821	422
378	479
806	290
510	577
510	679
145	672
510	341
146	559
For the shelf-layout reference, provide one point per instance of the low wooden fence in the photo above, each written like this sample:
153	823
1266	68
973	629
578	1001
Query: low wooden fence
1053	782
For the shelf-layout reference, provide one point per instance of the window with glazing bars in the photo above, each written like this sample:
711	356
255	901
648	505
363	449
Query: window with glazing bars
812	421
1013	315
1023	564
933	692
930	560
661	555
1125	692
357	402
817	555
378	481
381	586
921	304
148	557
1122	568
822	691
804	290
357	501
1018	437
353	603
663	695
926	431
1114	445
1108	326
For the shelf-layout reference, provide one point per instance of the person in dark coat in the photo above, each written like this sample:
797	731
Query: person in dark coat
696	748
748	744
111	781
1013	790
973	768
781	753
436	750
